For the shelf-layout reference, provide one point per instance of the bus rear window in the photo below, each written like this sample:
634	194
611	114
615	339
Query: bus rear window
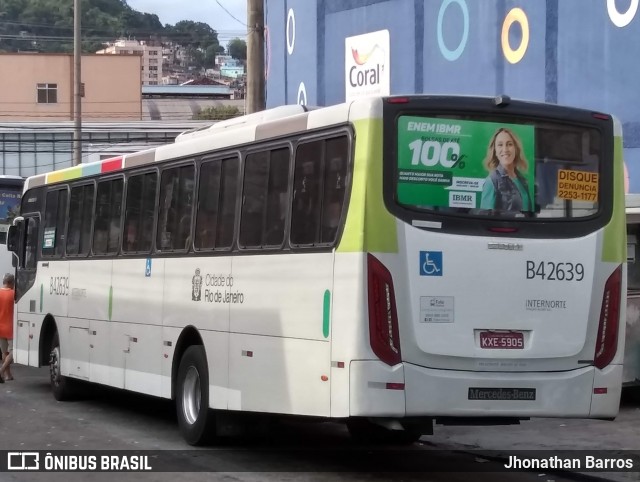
478	167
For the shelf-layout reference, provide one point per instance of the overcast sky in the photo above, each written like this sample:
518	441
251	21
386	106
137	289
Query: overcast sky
207	11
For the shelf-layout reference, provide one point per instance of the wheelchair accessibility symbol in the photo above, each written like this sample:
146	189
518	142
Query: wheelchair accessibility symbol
430	263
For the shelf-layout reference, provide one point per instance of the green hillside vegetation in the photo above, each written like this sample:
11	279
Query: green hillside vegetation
47	26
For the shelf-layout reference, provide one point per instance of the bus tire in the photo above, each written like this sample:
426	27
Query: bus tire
196	420
62	387
364	431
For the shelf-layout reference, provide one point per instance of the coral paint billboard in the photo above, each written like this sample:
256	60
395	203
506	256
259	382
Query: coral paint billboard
367	65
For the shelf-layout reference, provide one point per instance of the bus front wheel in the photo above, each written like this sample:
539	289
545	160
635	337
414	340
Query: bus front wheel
61	386
196	421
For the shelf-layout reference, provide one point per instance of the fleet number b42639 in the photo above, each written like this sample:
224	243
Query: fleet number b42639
550	271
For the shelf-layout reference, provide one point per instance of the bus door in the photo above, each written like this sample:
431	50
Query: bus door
26	296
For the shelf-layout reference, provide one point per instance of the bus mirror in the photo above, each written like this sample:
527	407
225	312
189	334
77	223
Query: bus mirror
12	238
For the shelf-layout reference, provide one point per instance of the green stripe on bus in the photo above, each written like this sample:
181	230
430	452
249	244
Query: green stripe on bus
326	313
614	244
110	301
369	226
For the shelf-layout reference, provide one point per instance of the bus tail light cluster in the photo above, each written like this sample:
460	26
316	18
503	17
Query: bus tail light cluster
383	317
607	340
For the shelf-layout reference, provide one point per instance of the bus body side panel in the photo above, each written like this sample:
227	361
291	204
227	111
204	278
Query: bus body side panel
135	323
279	354
194	296
349	329
88	300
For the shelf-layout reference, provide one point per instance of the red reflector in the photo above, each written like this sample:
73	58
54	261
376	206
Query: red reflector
340	364
324	378
503	230
384	336
600	391
601	116
395	386
249	354
398	100
607	338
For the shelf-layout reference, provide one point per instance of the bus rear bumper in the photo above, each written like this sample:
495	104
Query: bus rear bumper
543	394
406	390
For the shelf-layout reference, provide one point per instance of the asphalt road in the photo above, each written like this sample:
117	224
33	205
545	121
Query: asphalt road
107	419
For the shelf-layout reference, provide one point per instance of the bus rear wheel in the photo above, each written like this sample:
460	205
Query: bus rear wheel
196	421
61	386
365	431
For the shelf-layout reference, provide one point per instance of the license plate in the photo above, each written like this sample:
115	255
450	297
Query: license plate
497	340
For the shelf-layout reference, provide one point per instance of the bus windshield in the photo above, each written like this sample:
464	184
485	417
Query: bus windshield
511	168
10	197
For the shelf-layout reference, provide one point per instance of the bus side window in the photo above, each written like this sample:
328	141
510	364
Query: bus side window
277	198
176	202
254	193
106	232
31	244
139	213
80	214
305	213
54	223
208	204
225	229
334	187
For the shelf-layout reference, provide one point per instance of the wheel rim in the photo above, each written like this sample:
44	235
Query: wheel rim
191	395
54	366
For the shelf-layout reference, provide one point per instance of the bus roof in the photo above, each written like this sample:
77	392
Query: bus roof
241	130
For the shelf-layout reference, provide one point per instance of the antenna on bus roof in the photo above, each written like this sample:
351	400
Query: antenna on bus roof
249	119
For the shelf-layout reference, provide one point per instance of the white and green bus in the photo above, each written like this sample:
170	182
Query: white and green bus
388	262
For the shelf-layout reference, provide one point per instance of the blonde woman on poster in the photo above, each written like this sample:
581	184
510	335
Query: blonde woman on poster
506	188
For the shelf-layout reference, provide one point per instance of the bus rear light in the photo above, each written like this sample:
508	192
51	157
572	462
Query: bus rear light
597	115
395	386
503	230
383	318
607	339
600	391
398	100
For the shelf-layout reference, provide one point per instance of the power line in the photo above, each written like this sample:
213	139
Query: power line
231	15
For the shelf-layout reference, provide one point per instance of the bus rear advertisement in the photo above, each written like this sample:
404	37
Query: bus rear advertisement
389	262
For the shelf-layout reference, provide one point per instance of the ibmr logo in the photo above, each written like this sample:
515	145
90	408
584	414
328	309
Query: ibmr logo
367	65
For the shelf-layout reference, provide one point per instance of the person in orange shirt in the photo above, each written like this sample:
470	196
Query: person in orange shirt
6	326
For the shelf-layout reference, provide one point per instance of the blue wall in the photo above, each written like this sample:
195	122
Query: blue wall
575	55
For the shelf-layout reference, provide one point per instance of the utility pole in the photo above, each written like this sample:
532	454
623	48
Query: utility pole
77	84
255	56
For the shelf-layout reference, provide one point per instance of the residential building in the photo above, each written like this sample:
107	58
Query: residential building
152	55
40	87
232	68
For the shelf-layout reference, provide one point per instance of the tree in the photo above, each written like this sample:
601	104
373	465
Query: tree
217	113
210	55
238	49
